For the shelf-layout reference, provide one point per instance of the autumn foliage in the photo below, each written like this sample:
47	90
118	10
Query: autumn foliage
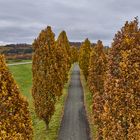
64	43
84	55
63	55
96	78
121	116
74	54
51	63
15	121
43	68
114	81
97	68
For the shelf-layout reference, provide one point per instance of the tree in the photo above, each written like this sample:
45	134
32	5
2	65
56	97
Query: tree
84	56
15	121
63	37
96	78
74	54
63	55
44	67
121	116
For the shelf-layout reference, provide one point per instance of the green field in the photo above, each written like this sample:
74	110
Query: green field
16	61
23	76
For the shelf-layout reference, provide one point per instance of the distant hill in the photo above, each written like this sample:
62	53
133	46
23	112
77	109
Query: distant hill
24	51
77	44
17	51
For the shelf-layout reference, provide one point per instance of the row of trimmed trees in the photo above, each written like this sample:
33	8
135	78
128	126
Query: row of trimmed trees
114	81
51	64
74	54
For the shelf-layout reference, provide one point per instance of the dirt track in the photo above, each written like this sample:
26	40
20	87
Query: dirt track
74	125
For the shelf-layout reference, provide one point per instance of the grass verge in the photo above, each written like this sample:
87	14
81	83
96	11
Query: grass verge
17	61
23	76
88	105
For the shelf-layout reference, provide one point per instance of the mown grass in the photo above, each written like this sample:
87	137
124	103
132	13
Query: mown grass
16	61
88	105
23	76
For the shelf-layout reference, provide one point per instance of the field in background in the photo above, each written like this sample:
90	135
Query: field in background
23	76
17	61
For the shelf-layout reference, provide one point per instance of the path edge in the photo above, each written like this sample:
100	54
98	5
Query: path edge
88	114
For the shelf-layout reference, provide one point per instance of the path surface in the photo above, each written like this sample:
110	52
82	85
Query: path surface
74	125
21	63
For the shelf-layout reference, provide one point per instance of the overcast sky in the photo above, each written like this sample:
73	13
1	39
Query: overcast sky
22	20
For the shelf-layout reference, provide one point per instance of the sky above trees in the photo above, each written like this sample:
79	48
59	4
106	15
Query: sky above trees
22	20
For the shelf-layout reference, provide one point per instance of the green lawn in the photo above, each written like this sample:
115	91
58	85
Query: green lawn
17	61
23	76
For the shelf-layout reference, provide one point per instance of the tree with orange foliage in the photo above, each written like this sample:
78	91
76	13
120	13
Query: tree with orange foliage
44	67
121	116
74	54
15	120
51	63
96	78
63	55
84	55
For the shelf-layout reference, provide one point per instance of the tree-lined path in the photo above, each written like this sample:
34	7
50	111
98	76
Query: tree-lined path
74	125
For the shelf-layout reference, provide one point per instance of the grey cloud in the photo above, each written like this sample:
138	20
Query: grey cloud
22	20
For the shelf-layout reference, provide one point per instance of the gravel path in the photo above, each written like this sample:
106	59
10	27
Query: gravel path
74	125
20	63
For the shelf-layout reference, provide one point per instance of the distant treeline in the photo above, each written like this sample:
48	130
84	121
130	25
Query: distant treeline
24	51
17	51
